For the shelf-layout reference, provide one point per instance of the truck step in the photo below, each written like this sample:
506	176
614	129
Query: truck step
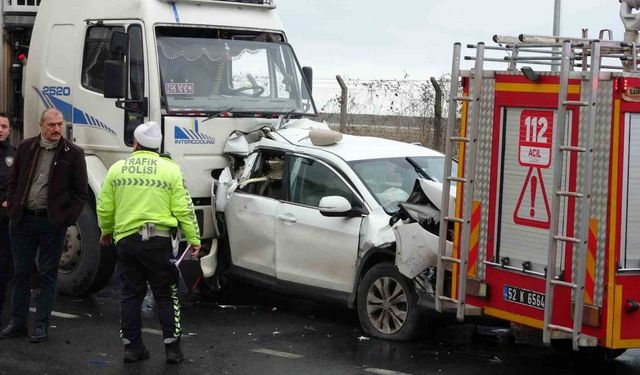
469	310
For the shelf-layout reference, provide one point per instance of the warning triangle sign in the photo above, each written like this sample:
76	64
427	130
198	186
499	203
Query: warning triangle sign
532	208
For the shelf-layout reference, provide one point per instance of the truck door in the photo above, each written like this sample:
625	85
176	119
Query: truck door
98	123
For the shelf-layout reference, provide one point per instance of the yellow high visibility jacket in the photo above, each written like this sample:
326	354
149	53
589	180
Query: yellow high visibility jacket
145	188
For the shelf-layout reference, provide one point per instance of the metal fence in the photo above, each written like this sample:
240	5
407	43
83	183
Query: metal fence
410	129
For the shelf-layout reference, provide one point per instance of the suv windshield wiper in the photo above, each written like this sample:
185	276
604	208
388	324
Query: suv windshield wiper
419	169
218	114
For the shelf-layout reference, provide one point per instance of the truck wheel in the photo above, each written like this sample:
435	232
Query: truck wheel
84	266
388	304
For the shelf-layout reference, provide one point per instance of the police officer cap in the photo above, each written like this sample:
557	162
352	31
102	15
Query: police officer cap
148	135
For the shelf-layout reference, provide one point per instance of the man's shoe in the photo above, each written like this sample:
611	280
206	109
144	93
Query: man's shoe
174	353
135	354
38	335
13	330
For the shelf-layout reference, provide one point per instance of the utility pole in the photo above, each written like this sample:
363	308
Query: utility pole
557	9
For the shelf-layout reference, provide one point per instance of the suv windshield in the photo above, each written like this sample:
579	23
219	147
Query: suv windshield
391	180
209	70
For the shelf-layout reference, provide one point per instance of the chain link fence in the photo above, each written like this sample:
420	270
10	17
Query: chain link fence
402	110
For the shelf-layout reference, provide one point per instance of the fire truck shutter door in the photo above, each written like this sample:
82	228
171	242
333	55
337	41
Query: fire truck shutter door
631	257
527	174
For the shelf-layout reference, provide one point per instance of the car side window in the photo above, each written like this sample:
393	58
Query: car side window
266	175
310	181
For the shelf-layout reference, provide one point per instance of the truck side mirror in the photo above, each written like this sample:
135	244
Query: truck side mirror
115	84
115	71
307	72
119	44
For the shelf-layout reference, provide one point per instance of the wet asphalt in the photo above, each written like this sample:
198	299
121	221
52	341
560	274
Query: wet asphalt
255	331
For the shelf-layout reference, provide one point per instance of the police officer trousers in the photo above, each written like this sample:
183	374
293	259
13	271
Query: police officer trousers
6	264
141	262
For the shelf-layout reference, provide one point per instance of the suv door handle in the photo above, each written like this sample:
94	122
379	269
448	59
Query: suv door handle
287	218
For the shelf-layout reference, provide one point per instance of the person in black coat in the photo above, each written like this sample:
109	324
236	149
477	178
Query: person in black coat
7	153
46	192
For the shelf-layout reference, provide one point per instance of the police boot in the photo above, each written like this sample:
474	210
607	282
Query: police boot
173	352
13	330
135	353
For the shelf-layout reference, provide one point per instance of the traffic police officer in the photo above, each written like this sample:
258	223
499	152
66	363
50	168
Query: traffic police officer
142	199
7	153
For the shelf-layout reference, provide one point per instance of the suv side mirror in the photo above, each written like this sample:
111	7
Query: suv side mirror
307	72
237	144
115	87
337	206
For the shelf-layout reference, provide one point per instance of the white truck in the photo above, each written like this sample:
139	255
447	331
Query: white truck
200	68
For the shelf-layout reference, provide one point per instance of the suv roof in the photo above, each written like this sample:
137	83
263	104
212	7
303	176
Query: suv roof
353	147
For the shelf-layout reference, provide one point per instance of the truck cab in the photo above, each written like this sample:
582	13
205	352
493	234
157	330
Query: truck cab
203	69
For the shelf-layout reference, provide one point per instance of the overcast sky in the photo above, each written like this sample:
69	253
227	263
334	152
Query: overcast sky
374	39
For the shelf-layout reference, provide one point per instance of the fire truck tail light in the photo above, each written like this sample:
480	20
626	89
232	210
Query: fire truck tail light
621	85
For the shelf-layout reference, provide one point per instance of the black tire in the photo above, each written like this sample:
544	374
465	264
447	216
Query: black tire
609	355
216	288
391	317
85	266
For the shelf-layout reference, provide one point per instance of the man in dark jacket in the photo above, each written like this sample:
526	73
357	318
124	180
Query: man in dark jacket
47	191
7	152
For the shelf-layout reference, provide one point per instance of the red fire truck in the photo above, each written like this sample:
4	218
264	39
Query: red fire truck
546	216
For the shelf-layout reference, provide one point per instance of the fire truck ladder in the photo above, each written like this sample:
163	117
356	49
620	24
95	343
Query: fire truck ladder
467	181
561	149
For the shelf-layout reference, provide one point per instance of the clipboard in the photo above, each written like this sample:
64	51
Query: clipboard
189	268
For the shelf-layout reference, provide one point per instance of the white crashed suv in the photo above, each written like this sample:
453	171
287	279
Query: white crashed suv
309	211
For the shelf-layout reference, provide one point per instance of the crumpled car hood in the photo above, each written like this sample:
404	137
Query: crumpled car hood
416	227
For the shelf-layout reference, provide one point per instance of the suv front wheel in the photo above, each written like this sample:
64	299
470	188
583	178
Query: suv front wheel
388	304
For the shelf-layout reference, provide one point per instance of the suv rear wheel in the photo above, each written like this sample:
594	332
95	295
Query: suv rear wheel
388	304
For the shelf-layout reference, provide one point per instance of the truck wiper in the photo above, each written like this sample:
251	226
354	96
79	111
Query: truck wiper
218	114
286	118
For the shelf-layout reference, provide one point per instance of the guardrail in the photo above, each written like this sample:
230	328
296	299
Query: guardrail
20	6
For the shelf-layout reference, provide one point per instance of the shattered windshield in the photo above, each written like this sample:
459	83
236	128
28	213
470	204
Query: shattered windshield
391	180
210	71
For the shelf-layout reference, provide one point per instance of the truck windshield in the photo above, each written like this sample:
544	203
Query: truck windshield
210	71
391	181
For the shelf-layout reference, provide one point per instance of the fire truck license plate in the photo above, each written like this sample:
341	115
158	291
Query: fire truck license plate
523	297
